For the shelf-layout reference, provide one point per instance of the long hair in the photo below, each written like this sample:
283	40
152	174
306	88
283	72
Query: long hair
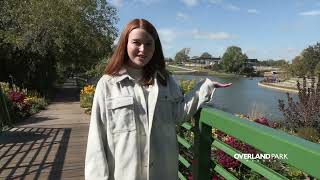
120	56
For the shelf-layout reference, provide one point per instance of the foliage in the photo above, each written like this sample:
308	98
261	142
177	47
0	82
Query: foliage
36	104
305	113
274	63
98	69
309	133
182	55
233	59
317	69
306	63
22	103
39	37
206	55
297	67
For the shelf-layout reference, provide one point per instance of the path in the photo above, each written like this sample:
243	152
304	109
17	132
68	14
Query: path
50	144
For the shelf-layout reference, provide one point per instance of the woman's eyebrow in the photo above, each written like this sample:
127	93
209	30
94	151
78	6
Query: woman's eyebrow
148	40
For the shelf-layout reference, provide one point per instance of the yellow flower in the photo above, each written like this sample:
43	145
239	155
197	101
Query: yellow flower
88	89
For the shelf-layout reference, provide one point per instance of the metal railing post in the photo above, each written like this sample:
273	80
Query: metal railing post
202	150
4	113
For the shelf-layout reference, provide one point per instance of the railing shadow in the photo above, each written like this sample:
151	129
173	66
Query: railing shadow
30	153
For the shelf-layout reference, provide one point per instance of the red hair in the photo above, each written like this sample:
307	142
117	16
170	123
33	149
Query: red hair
120	56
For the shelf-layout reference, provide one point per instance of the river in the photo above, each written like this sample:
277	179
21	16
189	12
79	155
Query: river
245	96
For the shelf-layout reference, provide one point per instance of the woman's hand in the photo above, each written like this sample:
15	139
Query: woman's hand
221	85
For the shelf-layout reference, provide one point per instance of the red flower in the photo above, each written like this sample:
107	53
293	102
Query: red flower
16	96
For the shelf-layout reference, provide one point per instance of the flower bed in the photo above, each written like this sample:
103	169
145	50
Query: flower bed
22	103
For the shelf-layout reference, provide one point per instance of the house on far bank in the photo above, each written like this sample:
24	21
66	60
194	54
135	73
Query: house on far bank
252	62
199	61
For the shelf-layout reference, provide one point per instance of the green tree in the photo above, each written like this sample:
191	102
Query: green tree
298	67
311	57
37	37
182	55
317	69
233	59
306	63
206	55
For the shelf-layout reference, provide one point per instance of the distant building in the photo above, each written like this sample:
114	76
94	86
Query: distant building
253	62
205	61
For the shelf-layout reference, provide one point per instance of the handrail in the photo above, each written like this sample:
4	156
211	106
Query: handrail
302	154
4	113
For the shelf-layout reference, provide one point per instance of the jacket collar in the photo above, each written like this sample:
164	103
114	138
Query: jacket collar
123	74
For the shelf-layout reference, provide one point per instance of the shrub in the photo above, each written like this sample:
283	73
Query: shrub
306	111
309	133
186	85
36	104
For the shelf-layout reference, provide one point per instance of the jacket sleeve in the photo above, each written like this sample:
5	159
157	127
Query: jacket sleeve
96	163
188	105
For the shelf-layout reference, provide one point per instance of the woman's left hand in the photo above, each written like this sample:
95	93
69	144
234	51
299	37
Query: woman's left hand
221	85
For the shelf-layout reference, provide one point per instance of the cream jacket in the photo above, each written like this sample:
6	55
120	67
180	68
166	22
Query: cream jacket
132	140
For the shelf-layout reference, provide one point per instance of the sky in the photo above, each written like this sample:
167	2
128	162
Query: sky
268	29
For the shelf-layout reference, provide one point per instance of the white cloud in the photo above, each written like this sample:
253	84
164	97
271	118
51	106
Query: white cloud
253	11
167	35
211	35
232	7
117	3
215	1
182	16
147	2
190	2
310	13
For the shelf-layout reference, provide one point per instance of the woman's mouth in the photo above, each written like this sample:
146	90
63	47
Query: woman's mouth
142	56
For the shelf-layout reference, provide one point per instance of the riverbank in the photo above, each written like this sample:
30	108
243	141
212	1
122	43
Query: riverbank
178	70
278	86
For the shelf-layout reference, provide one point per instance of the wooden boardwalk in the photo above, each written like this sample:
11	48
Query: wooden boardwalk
50	144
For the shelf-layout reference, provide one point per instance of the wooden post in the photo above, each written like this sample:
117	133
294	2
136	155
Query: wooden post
202	150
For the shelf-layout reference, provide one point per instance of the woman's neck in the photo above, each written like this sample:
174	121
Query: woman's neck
134	73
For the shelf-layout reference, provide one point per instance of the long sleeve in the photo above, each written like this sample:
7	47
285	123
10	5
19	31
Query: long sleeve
96	165
191	102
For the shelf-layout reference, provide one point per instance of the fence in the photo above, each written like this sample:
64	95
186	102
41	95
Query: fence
302	154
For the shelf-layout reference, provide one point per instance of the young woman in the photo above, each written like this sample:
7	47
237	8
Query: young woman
136	107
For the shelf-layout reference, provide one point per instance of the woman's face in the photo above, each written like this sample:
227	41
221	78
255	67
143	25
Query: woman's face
140	48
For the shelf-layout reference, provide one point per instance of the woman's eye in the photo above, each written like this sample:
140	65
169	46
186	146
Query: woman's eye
136	42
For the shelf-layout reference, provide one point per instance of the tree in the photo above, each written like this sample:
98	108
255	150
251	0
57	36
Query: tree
311	57
182	55
37	37
233	59
317	69
306	63
297	67
206	55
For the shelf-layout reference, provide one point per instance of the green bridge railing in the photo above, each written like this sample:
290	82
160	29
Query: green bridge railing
4	113
302	154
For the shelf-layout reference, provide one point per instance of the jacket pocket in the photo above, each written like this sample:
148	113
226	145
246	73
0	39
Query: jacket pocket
120	114
166	105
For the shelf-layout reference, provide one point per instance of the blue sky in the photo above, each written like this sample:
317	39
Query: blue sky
269	29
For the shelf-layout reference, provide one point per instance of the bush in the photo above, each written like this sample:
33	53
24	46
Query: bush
36	104
305	113
186	85
21	102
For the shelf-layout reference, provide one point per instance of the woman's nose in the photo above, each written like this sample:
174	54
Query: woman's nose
141	47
